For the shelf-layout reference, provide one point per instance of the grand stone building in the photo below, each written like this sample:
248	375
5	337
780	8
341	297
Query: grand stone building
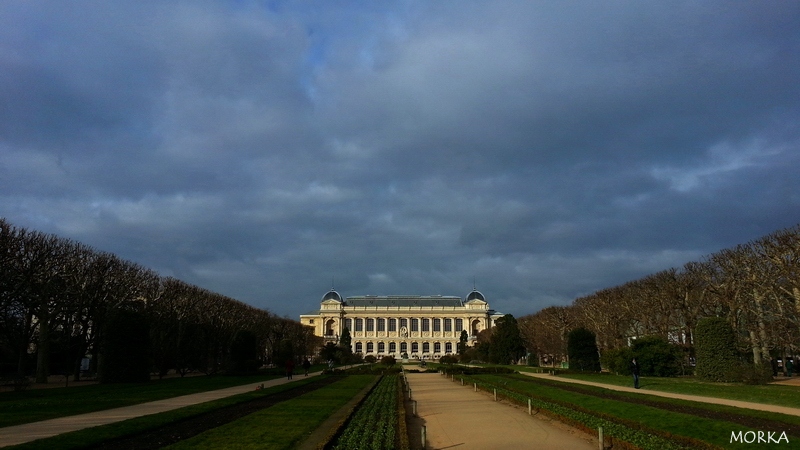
424	327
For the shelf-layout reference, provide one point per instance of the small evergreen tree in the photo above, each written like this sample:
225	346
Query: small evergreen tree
715	350
582	350
345	340
506	343
462	342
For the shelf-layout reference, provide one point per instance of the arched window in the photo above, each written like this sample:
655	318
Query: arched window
437	347
403	347
414	347
370	347
426	347
392	347
329	325
448	347
359	348
381	347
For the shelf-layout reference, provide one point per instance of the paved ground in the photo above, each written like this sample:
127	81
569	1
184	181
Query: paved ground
31	431
456	416
694	398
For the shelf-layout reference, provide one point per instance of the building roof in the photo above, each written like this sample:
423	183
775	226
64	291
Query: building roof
403	300
475	295
332	295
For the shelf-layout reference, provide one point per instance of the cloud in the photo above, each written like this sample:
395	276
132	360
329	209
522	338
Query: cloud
543	150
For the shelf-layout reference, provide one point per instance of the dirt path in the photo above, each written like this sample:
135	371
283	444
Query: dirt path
457	417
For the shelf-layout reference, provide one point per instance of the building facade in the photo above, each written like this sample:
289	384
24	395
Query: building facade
423	327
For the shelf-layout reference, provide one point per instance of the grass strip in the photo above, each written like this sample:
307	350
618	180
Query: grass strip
282	426
735	414
42	404
93	436
629	415
374	424
770	394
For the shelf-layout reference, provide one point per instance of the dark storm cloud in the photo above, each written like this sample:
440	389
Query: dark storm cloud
542	150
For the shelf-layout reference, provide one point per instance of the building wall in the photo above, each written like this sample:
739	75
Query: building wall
417	342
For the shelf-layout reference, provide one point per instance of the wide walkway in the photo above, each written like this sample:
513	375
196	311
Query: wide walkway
31	431
693	398
456	416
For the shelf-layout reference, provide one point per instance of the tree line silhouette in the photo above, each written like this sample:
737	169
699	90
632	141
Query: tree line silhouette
57	297
754	286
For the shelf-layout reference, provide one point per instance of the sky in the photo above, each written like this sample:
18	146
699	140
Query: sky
538	151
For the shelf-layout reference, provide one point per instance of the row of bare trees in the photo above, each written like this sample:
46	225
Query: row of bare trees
57	294
755	286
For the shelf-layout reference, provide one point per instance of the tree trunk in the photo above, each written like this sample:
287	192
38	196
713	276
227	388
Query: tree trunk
43	350
756	347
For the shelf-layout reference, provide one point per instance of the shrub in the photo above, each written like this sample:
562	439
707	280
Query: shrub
618	360
125	354
657	357
715	350
582	351
388	360
370	359
448	359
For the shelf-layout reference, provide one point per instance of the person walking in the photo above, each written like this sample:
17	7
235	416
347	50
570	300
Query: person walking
635	372
289	368
306	365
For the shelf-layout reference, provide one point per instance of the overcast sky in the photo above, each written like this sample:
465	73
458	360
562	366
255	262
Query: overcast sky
541	150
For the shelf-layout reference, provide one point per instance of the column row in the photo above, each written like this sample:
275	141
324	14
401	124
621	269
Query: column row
410	324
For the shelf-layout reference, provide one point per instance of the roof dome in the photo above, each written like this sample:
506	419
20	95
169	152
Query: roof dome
332	295
475	295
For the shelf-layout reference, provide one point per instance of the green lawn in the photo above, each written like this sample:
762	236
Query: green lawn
713	431
773	394
91	436
282	426
41	404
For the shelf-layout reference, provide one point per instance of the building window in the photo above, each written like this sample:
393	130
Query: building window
437	347
392	347
370	347
348	323
392	324
426	325
311	321
459	324
414	347
381	347
403	347
358	347
414	324
448	347
448	324
381	324
370	324
359	324
437	324
426	347
403	323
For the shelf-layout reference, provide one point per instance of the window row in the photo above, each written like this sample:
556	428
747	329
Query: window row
395	324
426	347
